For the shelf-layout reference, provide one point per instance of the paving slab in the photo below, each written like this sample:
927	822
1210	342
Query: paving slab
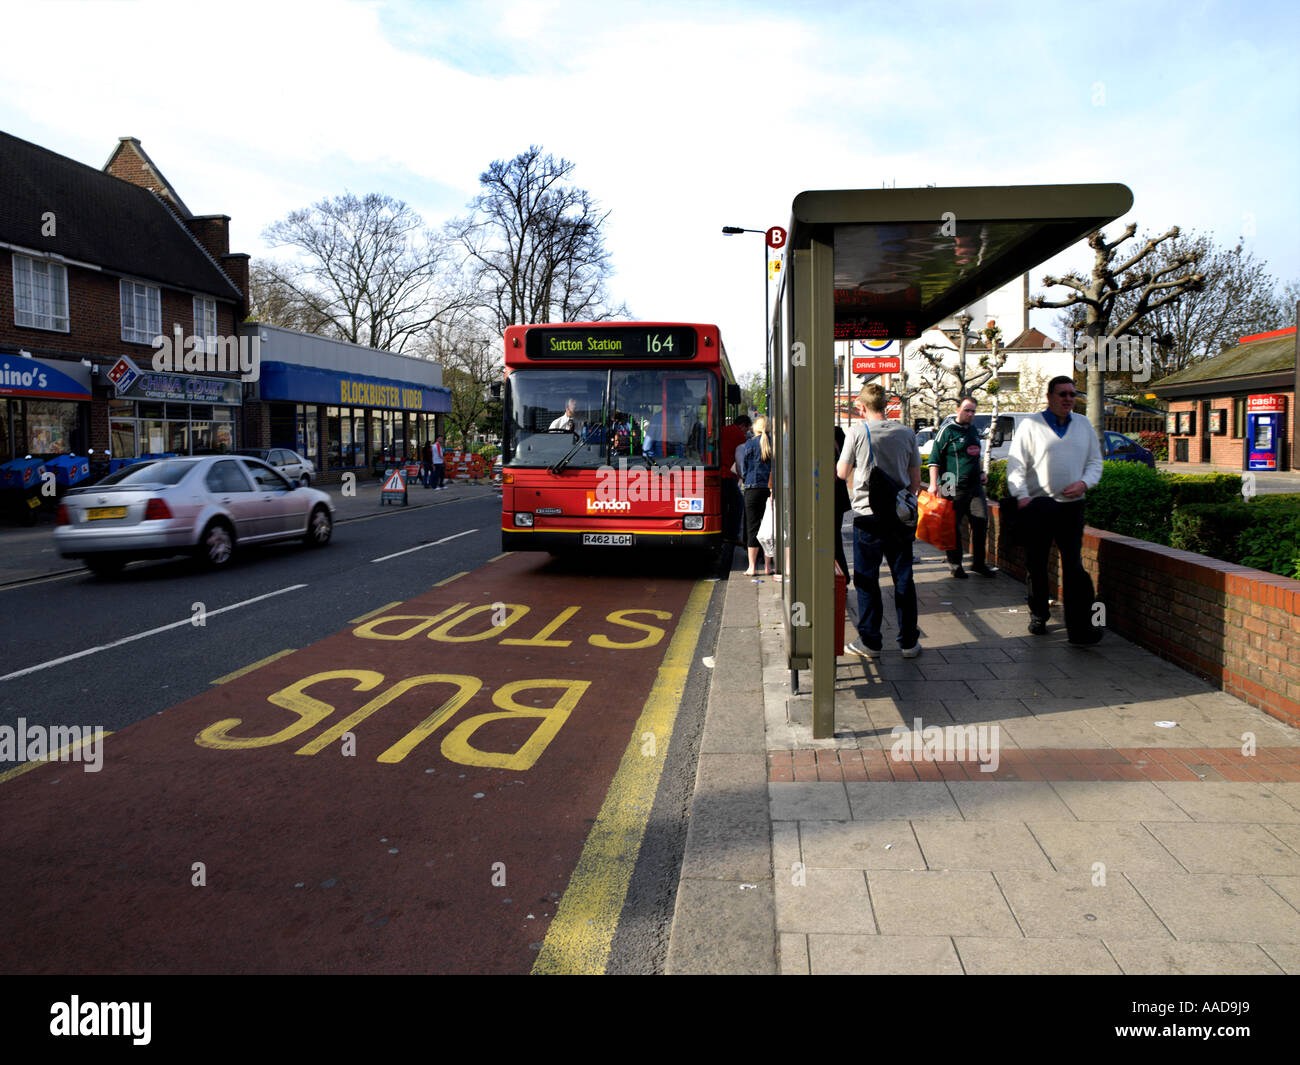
946	903
808	802
902	800
1008	800
1163	957
858	955
987	845
1119	801
824	900
859	845
1059	905
1078	846
1227	848
1035	957
1235	802
1240	909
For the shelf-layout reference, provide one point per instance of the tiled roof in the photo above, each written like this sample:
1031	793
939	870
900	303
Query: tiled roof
100	220
1270	354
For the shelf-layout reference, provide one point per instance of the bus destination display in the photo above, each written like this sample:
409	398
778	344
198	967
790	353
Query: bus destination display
615	342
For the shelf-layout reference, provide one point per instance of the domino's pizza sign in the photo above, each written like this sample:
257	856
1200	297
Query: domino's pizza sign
123	374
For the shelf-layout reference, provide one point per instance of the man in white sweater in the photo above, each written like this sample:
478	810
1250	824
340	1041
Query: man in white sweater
1054	460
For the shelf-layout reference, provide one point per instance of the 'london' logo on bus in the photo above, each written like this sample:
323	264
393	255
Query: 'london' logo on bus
595	505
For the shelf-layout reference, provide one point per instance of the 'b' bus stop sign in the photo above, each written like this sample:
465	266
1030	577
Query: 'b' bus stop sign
876	264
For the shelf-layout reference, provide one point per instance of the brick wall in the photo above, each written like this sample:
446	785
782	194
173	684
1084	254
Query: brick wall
1237	627
1226	447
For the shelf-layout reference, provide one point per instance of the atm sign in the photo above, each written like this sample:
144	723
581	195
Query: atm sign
1266	404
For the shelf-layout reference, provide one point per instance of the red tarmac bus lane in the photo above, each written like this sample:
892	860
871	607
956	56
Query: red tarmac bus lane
408	795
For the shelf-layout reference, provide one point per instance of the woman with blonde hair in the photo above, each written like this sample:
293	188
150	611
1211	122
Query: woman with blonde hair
756	477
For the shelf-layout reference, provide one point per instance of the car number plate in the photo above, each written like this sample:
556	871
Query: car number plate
607	539
96	513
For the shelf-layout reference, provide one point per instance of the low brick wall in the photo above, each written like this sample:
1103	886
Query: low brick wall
1237	627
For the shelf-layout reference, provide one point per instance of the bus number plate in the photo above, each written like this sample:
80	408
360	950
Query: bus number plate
607	539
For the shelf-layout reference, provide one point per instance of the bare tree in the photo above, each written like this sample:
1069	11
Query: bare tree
471	366
534	246
1236	300
1152	284
272	302
368	270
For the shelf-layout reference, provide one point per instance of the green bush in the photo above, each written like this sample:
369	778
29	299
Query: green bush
1212	529
1132	500
1188	488
996	487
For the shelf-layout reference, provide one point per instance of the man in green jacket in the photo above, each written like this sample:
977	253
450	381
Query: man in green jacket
956	474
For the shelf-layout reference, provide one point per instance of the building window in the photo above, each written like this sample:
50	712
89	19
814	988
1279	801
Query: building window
1238	417
141	313
40	294
205	323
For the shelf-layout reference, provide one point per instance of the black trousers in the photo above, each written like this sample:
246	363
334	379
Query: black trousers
1043	523
979	525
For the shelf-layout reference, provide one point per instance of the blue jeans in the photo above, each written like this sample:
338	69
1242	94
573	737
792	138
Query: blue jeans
869	548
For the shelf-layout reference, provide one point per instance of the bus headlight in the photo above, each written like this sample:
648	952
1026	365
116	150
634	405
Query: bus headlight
693	521
524	520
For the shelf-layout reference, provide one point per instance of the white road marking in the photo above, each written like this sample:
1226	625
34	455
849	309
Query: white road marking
142	635
435	543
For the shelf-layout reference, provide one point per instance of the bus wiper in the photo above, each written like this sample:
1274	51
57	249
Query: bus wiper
559	466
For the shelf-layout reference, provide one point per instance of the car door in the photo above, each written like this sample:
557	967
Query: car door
230	488
278	504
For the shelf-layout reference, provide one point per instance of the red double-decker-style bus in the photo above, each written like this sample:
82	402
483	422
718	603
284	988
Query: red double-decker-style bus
612	436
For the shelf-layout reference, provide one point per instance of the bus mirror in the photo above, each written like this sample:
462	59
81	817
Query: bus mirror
733	395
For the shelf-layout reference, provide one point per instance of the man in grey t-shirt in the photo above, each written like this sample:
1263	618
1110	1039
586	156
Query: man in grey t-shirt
876	441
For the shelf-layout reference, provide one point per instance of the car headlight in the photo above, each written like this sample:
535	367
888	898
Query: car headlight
524	519
694	521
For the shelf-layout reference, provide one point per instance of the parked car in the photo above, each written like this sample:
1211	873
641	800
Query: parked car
204	506
925	442
1121	448
289	463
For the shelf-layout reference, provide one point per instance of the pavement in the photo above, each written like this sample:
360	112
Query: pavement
1123	831
28	552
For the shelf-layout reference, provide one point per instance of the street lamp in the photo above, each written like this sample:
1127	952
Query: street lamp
731	231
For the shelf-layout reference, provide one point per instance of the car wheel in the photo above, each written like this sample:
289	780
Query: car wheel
320	527
216	546
305	481
105	565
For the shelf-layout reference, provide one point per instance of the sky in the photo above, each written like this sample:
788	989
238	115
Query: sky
681	118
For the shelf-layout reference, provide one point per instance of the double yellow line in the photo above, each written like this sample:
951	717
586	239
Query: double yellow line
579	939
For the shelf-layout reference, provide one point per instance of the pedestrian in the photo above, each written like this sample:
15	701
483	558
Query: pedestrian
876	442
842	506
439	464
426	465
733	506
756	475
1054	460
957	474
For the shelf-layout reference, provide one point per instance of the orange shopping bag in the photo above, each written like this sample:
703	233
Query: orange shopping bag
936	521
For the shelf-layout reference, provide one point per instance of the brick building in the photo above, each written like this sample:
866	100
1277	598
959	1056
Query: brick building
96	264
1211	403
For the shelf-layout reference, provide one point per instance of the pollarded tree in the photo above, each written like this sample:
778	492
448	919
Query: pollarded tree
1115	297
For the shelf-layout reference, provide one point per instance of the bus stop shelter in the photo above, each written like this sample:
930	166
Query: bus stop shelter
878	264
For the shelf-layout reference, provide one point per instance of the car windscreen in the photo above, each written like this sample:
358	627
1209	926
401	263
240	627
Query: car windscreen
162	471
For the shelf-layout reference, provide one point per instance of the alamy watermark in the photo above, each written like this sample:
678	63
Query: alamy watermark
617	487
218	354
57	743
1127	354
951	743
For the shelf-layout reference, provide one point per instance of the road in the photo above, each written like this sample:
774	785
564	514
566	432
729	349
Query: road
404	753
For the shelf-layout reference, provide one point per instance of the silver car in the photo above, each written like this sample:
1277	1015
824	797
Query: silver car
289	463
202	506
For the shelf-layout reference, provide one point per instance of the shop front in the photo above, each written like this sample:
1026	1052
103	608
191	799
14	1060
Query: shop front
162	413
44	407
343	406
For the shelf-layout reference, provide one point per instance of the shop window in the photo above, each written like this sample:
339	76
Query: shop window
40	294
122	439
51	427
141	312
